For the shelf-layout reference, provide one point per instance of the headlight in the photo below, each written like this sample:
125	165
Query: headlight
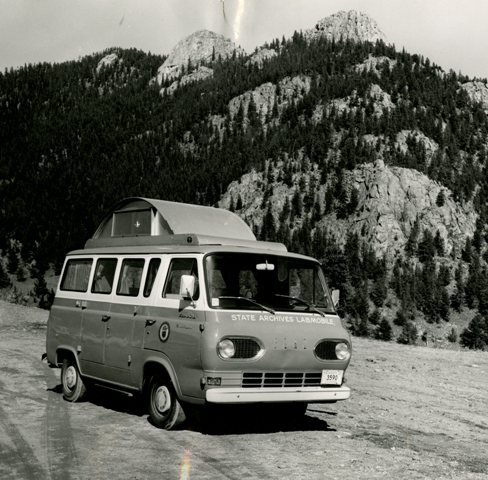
226	348
342	351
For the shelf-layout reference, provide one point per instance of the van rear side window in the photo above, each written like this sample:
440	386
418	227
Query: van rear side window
130	277
104	275
76	275
152	271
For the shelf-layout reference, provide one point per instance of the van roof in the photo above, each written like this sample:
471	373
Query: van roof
138	221
184	249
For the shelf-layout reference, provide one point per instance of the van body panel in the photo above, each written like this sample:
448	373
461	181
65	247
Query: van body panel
288	339
118	341
176	332
94	328
64	326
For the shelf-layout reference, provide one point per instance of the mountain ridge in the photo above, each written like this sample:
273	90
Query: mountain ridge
311	121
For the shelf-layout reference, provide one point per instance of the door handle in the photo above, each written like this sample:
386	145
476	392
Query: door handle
150	322
80	304
105	318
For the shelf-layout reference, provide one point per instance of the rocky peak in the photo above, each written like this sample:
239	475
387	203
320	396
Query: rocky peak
351	25
200	47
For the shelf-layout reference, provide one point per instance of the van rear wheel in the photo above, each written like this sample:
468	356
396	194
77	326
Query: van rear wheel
74	389
165	410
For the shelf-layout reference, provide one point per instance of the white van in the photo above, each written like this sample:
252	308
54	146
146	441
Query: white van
181	303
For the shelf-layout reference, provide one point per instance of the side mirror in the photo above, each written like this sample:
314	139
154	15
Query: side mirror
336	294
187	287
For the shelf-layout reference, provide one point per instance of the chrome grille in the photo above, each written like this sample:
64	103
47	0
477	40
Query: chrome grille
280	379
325	350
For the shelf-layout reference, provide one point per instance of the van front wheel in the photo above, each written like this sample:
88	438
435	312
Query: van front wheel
165	410
74	390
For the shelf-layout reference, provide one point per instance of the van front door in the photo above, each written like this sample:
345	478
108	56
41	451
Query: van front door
174	326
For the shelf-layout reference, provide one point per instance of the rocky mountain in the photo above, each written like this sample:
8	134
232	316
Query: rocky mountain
332	142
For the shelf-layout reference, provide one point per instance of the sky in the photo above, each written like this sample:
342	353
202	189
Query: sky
451	33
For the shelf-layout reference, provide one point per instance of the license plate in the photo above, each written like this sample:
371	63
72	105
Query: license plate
331	377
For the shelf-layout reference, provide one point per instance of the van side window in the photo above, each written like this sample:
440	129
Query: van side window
76	275
130	277
177	268
152	271
104	275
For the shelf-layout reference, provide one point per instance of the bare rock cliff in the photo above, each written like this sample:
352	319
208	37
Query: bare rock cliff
390	200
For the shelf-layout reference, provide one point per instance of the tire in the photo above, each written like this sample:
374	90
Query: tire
165	410
74	389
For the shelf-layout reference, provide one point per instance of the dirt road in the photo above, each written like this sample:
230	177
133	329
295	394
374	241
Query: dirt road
415	412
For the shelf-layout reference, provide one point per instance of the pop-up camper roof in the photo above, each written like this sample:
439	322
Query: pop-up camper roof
146	221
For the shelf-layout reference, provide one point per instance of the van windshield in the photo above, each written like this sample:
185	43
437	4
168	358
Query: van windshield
266	282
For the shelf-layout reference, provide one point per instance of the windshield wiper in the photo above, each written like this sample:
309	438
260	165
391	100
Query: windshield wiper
304	302
250	300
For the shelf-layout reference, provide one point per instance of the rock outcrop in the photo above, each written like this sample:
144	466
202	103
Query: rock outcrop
381	100
373	64
430	146
200	47
261	56
202	73
107	61
478	92
266	95
351	25
390	201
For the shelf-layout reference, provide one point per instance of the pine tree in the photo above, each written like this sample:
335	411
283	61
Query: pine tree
411	245
239	202
426	247
467	252
384	331
4	278
457	298
12	260
441	199
475	336
409	334
439	244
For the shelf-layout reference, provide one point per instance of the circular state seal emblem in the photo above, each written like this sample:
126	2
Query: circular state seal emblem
164	331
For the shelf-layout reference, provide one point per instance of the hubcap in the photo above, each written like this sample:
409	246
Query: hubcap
162	399
70	377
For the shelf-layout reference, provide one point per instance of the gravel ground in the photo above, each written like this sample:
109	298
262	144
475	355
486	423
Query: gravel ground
415	412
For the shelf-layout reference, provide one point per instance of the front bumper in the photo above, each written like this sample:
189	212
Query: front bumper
284	394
